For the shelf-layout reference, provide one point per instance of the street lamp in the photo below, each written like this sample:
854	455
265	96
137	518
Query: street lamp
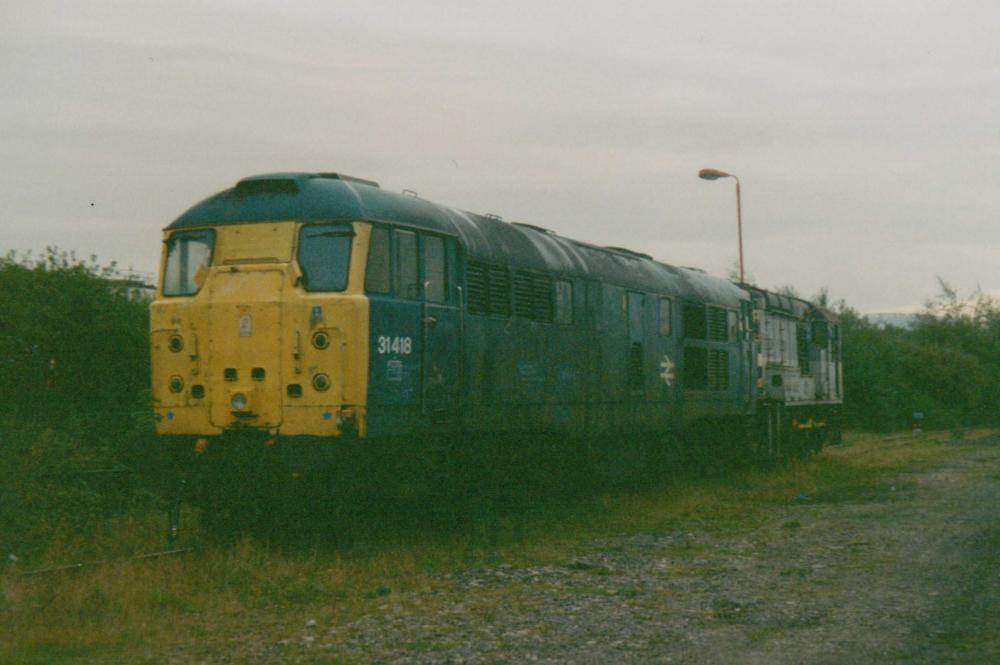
715	174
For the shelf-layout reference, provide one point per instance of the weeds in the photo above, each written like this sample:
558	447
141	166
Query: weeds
115	607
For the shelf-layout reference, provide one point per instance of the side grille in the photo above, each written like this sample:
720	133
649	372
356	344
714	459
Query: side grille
488	289
718	370
635	378
718	330
533	296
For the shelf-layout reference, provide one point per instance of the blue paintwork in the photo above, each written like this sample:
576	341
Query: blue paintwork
415	361
394	378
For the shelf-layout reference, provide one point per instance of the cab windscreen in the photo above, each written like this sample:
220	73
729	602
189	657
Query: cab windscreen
188	253
325	256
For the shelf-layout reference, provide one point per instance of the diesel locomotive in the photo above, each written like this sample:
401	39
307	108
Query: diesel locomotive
303	311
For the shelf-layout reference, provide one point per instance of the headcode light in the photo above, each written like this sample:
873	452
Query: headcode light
176	384
321	340
321	382
239	402
176	343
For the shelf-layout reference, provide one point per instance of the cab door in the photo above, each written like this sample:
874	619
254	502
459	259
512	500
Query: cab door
396	310
415	359
441	329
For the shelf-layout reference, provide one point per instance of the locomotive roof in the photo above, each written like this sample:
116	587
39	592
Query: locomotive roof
791	305
336	197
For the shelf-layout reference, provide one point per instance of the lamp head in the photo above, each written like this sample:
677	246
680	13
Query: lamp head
713	174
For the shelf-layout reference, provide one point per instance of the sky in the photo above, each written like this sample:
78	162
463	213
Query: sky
866	134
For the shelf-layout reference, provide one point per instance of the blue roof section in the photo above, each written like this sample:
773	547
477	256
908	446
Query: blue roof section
334	197
310	196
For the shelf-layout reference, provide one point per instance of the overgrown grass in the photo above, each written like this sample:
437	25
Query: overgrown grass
138	610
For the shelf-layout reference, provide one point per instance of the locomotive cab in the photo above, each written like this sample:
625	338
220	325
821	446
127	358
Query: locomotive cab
261	326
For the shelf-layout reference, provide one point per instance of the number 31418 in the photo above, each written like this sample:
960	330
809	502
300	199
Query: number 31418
400	345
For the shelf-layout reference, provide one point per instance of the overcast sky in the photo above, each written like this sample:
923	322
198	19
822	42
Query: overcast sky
866	134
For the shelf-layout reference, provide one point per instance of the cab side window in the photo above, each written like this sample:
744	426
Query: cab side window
377	273
665	312
407	282
435	269
564	302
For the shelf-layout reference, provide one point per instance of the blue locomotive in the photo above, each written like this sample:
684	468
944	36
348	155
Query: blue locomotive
309	309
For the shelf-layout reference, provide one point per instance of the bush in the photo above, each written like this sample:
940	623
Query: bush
946	366
74	377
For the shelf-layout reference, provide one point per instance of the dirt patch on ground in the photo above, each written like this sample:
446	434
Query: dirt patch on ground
904	570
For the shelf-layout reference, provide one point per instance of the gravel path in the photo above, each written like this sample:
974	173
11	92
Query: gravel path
903	573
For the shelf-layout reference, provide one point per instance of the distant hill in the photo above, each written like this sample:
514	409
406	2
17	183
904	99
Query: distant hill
896	319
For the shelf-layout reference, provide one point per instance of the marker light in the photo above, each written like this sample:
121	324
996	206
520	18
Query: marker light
176	343
321	382
321	340
176	384
239	402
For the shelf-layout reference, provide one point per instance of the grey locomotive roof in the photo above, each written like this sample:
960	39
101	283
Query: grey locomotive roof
334	197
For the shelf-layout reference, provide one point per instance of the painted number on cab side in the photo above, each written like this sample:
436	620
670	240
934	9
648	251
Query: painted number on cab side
398	345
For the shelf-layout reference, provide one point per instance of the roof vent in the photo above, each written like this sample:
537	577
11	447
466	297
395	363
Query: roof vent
494	217
347	178
540	229
254	186
622	250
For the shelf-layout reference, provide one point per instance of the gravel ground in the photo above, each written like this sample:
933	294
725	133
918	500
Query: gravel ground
903	573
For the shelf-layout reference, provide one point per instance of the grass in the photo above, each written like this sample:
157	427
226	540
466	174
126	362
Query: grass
139	610
963	626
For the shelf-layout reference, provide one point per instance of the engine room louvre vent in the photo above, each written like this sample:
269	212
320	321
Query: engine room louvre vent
717	325
695	368
695	321
635	378
489	289
718	370
523	295
499	291
476	281
533	296
802	345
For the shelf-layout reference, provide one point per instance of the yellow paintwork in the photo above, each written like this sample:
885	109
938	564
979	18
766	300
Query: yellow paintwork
250	313
809	424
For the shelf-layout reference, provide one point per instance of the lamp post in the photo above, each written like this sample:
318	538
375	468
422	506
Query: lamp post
715	174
